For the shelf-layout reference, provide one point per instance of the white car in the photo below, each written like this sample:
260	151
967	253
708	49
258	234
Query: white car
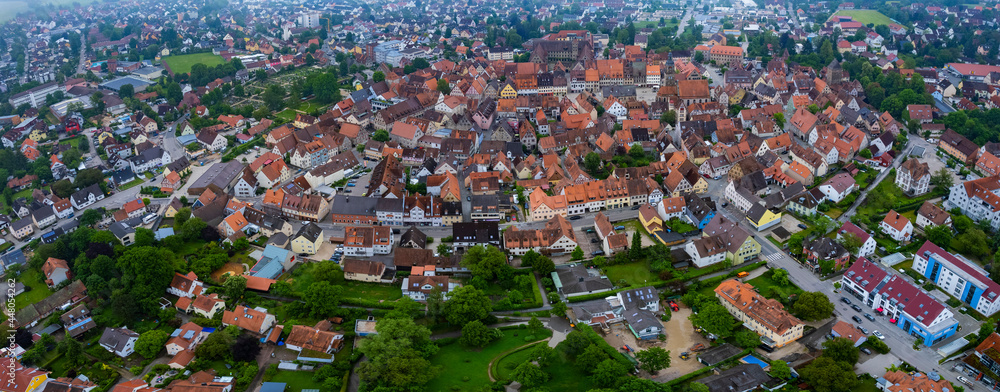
878	335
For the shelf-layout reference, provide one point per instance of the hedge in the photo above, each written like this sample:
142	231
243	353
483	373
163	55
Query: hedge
612	352
369	303
589	297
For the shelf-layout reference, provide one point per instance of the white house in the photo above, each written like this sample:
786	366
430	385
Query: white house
838	187
913	177
897	226
119	341
867	241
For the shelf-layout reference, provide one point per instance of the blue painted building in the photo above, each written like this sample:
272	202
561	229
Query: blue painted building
700	211
959	277
906	306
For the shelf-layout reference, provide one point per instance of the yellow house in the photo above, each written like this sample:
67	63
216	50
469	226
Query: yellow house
34	377
37	135
749	250
308	239
508	92
544	207
701	186
172	208
762	218
101	137
649	218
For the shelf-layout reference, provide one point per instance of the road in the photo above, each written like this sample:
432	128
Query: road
80	68
688	14
792	15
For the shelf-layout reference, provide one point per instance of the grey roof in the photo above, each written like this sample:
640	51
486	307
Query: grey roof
20	224
348	205
826	248
743	377
272	387
636	298
219	174
137	83
311	231
120	229
42	213
413	234
117	338
717	354
642	319
579	279
476	232
14	257
148	155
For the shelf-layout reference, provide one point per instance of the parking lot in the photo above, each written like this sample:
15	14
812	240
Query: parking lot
588	241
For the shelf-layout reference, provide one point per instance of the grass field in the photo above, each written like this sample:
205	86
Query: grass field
296	380
183	63
39	291
866	16
765	285
636	274
563	375
465	369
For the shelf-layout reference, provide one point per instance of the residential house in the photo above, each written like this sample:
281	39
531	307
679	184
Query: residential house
896	226
256	321
867	241
367	241
930	214
767	317
308	239
913	177
119	341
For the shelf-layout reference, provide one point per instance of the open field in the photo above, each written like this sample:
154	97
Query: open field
564	375
635	274
866	16
183	63
467	367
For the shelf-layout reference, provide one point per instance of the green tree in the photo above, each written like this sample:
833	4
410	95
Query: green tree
488	262
780	276
609	373
215	347
591	356
653	359
841	350
91	216
444	250
851	242
467	304
378	76
529	375
747	339
939	235
397	355
592	162
780	369
577	254
544	266
779	120
865	153
942	179
235	286
322	298
669	117
126	91
635	252
443	86
150	343
475	334
381	135
715	319
534	324
828	375
813	305
698	387
274	97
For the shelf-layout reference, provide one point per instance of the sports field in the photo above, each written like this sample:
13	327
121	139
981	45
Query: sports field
866	16
183	63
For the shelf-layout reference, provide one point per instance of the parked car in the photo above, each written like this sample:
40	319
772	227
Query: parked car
869	317
575	217
878	334
594	240
863	330
619	227
856	308
803	227
636	207
866	350
845	300
856	318
597	253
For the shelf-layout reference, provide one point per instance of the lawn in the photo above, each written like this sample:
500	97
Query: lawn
73	141
564	375
303	277
465	369
634	274
772	289
182	63
287	115
834	213
296	380
132	183
866	16
680	226
31	278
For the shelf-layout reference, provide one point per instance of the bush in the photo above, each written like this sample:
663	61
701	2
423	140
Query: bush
877	345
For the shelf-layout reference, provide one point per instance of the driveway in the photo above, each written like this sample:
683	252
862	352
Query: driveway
681	336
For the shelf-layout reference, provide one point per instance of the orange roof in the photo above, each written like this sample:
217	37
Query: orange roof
896	221
767	312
